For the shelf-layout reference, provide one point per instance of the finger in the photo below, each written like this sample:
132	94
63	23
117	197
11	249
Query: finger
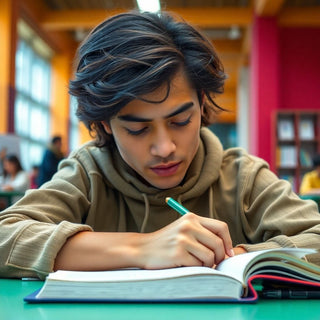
200	241
220	229
191	261
186	251
203	254
214	243
217	236
192	252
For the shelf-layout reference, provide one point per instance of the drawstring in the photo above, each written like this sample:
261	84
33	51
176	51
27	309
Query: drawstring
147	208
211	202
146	213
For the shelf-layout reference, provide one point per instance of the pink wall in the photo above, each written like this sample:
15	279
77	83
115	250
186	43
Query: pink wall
284	74
300	68
264	85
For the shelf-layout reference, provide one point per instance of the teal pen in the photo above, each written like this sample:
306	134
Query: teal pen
176	206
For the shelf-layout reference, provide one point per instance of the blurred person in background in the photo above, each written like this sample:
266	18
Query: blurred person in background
311	180
14	177
3	152
34	176
51	158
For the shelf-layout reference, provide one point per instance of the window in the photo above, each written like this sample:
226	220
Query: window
32	109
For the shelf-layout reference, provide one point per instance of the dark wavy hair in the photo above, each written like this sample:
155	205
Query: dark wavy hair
132	54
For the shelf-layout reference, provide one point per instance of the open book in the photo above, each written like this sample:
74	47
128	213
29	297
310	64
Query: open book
230	281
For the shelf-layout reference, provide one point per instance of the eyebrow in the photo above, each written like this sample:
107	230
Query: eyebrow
133	118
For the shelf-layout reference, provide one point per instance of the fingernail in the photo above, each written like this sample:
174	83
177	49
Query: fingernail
231	253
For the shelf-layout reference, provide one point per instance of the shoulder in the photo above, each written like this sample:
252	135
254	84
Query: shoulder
209	137
240	157
231	156
86	148
245	169
89	152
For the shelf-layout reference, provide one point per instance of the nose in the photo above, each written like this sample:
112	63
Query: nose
163	144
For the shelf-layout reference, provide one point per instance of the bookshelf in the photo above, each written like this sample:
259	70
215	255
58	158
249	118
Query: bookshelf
297	140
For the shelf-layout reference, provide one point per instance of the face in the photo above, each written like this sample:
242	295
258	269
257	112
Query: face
9	166
58	144
159	140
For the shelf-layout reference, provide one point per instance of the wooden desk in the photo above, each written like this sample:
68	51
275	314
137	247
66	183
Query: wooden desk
12	307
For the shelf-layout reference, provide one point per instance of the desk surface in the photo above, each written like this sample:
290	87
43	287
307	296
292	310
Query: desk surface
10	195
4	193
12	307
314	197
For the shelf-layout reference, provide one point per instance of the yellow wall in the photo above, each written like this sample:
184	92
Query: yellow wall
61	73
8	18
59	96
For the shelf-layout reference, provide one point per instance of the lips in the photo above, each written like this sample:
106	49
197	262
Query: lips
166	170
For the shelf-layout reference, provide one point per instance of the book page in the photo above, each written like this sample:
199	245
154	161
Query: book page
138	284
130	274
236	266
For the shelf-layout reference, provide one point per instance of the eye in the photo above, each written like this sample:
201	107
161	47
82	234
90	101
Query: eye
136	132
182	123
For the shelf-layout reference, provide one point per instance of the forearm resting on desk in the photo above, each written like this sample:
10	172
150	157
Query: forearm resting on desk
104	251
189	241
97	251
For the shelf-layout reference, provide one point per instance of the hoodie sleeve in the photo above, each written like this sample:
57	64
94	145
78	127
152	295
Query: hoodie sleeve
34	229
273	215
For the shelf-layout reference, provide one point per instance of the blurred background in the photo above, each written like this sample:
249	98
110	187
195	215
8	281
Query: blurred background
270	50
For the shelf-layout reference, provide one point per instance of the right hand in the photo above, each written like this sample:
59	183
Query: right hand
189	241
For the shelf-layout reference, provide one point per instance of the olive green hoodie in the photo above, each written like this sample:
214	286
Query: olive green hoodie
95	189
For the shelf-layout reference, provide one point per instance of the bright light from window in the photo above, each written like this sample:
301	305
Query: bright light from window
149	5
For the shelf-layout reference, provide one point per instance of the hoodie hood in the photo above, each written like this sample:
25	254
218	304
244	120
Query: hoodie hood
142	207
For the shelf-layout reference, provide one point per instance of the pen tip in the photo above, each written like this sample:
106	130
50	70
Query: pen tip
167	199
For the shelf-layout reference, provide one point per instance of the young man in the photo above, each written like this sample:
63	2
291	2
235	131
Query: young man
145	86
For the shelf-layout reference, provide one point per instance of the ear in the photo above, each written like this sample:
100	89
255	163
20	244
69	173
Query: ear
107	127
202	103
202	110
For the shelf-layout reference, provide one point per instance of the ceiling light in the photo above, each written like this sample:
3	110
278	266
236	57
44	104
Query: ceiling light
234	32
149	5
